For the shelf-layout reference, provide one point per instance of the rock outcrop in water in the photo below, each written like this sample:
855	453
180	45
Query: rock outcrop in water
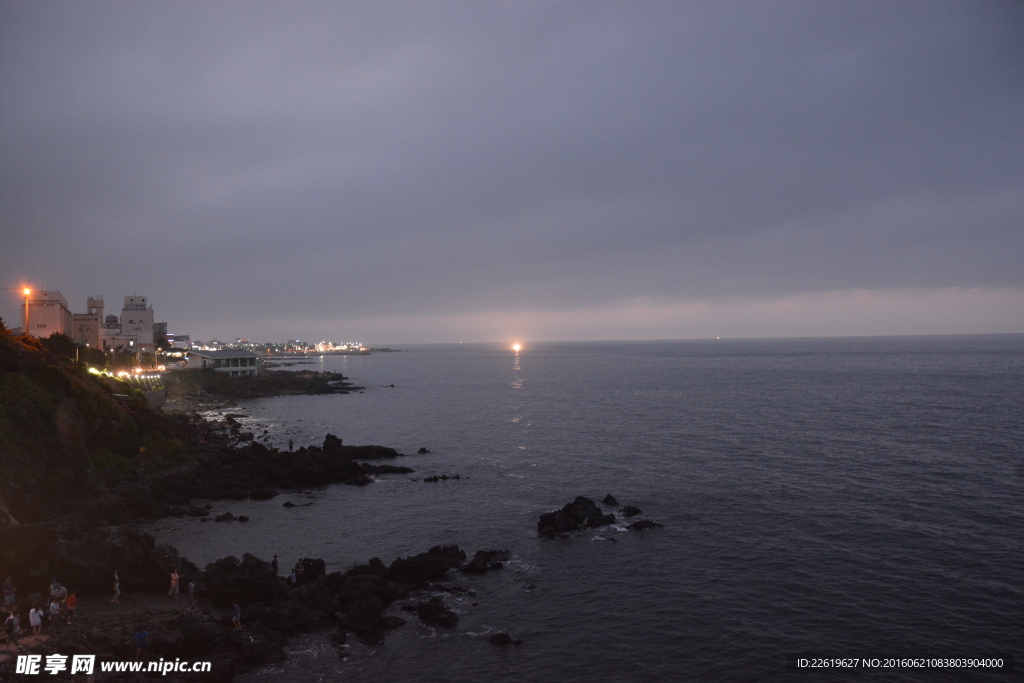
486	560
582	513
434	613
258	472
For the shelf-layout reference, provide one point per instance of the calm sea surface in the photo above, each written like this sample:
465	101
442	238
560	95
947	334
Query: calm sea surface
836	496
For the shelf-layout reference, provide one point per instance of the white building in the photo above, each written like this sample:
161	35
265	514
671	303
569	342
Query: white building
238	362
47	314
137	322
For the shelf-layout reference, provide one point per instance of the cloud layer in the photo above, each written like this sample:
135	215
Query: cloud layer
314	170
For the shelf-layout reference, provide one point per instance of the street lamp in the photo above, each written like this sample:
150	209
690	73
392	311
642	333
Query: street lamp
27	292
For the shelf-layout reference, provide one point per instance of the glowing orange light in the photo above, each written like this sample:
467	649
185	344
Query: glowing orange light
26	291
516	347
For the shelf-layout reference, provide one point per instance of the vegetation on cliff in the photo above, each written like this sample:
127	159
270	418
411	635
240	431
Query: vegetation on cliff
63	432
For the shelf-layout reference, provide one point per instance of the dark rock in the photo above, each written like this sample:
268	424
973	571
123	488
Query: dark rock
643	524
609	500
273	620
433	612
429	566
630	511
253	612
243	518
312	568
422	451
262	493
176	511
196	511
226	517
503	639
332	444
441	477
86	561
392	622
582	513
485	560
252	580
288	504
317	596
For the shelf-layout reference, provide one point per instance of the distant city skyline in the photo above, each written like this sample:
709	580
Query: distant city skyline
529	171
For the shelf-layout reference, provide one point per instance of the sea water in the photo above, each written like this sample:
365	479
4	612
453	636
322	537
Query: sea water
835	496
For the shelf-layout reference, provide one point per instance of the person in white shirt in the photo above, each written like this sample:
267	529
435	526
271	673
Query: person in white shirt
35	619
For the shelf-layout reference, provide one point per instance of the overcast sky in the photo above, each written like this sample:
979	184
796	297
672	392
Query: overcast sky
421	172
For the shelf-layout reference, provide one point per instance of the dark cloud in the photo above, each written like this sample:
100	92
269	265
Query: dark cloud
333	162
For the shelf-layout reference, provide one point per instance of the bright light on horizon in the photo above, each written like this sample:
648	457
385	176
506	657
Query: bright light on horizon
516	347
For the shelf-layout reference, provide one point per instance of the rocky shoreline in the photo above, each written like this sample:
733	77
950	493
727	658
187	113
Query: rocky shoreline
78	527
84	548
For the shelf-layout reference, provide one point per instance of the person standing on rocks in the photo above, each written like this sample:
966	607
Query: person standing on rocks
173	592
35	619
12	627
290	445
117	589
140	638
58	593
273	563
236	616
72	603
10	592
54	616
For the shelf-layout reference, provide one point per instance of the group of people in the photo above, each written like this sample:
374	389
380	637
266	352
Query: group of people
63	604
62	607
